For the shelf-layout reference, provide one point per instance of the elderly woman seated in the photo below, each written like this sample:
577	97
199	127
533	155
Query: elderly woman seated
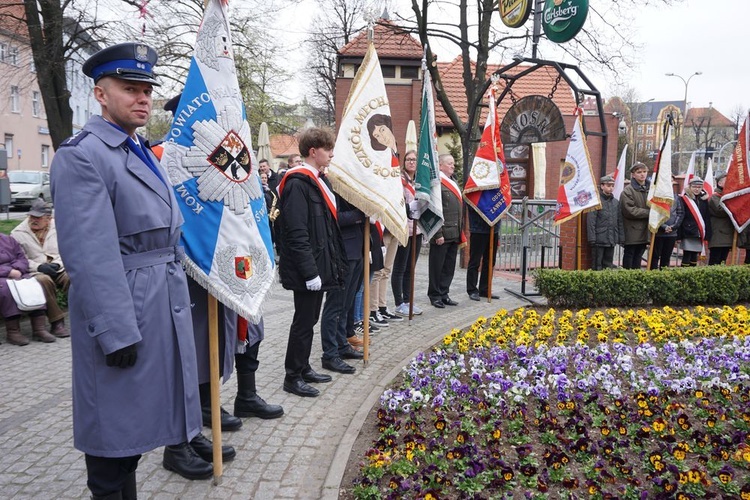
14	266
38	239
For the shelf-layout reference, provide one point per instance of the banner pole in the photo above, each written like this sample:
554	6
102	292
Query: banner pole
651	251
735	250
412	267
579	237
490	264
366	296
213	359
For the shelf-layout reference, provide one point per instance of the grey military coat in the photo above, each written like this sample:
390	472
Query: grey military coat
118	231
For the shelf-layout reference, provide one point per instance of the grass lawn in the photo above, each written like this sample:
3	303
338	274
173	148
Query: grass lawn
6	226
649	403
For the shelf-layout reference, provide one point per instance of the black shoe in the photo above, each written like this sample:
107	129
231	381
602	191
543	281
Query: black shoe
338	365
351	353
229	422
252	405
300	388
205	449
183	460
474	296
438	303
312	377
449	302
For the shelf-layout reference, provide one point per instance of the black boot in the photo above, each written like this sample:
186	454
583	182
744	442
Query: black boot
117	495
205	449
228	422
249	404
183	460
129	489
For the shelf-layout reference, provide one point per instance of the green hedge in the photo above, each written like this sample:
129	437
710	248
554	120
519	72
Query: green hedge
708	285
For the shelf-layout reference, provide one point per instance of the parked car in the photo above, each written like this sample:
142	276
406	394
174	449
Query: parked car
28	185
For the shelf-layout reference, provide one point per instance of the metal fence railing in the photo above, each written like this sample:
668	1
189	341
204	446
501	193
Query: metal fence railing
528	239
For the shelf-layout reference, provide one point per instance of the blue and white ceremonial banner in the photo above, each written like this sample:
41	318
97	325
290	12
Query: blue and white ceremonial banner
209	157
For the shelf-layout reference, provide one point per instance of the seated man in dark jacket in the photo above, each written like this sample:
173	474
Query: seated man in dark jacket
312	258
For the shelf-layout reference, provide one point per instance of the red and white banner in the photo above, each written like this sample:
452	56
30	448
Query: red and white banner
736	197
578	191
660	194
620	174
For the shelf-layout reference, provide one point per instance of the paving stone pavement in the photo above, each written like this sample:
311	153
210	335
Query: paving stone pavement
301	455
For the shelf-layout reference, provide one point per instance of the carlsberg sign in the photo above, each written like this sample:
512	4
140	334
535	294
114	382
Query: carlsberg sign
563	19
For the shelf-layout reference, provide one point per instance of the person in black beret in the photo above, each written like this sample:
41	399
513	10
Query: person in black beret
135	385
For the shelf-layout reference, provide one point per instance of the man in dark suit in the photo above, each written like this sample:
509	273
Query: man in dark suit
444	244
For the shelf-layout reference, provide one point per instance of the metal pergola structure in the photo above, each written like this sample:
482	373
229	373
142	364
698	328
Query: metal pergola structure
562	69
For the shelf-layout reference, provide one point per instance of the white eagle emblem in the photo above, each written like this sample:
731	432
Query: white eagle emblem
223	162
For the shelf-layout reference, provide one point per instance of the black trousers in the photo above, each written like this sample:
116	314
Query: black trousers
662	254
401	275
632	256
247	362
717	255
306	313
601	257
479	254
442	267
107	475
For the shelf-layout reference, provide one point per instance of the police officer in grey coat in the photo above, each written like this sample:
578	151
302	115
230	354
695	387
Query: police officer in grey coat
135	384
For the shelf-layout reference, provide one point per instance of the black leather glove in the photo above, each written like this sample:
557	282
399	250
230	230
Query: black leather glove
50	269
124	357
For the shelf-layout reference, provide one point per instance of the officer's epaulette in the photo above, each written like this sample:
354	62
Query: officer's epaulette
74	139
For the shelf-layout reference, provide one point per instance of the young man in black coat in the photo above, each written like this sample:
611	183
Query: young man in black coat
312	258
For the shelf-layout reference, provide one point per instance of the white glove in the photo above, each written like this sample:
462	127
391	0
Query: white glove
414	206
314	284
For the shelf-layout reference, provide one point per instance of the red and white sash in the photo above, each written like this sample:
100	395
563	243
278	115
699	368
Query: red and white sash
312	173
451	185
407	185
696	213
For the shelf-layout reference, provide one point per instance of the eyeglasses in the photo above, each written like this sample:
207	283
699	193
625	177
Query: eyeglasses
410	159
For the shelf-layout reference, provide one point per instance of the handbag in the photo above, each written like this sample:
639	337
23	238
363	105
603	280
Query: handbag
28	294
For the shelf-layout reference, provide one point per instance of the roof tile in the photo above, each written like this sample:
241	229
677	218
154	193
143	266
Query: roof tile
539	82
390	42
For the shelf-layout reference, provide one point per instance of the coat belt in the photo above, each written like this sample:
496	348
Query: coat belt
153	257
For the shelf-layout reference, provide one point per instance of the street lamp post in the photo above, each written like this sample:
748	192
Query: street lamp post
684	106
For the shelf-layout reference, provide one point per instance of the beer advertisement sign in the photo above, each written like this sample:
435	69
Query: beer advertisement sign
563	19
514	13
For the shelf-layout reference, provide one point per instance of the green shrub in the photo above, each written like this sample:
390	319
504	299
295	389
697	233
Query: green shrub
710	285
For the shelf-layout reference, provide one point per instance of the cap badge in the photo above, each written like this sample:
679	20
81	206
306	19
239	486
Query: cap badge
141	52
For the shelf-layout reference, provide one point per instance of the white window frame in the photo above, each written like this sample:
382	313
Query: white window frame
35	102
3	51
15	99
9	145
13	55
45	156
649	129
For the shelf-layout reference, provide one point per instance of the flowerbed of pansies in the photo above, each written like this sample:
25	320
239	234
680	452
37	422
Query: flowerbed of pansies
592	404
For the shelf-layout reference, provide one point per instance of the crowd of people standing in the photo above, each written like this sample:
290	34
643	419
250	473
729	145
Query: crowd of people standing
696	220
